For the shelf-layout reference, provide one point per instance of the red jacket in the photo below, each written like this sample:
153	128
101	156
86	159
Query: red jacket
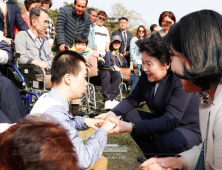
26	19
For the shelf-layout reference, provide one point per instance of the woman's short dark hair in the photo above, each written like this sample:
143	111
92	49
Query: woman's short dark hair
152	47
166	14
81	39
137	34
198	37
36	144
47	2
103	13
66	62
28	3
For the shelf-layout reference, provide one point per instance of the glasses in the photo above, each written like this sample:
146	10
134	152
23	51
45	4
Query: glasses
123	23
102	19
36	5
141	31
167	22
45	7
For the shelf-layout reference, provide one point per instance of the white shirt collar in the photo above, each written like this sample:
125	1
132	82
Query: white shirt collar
122	31
27	13
34	37
1	1
3	5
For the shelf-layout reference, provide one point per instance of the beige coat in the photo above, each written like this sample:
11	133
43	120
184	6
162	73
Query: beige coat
213	143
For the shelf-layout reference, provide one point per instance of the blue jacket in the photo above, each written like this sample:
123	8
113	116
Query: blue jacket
69	25
91	37
13	18
171	106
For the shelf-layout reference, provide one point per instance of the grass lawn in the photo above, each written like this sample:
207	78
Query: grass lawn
123	155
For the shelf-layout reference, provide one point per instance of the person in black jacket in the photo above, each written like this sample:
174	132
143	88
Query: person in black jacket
172	126
71	22
10	16
11	107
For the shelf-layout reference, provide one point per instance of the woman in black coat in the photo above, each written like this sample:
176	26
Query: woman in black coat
172	126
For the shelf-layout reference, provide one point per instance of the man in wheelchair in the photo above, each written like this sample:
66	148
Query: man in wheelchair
11	108
32	47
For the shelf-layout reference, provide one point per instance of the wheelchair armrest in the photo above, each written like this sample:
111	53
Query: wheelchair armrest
28	66
28	69
106	68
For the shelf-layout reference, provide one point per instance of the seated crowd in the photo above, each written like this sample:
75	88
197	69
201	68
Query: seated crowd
168	72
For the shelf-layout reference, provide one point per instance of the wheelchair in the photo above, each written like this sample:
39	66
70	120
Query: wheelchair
23	77
28	97
92	102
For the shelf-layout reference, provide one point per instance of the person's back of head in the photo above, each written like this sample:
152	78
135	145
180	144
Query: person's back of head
36	144
66	62
152	27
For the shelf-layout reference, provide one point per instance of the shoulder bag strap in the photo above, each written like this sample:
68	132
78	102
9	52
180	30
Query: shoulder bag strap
114	60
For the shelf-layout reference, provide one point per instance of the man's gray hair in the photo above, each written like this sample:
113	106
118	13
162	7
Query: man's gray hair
35	13
91	9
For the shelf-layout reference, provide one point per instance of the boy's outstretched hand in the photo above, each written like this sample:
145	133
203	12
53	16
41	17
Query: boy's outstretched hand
93	123
108	125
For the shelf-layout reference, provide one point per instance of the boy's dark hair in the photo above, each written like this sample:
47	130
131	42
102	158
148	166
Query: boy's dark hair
152	47
198	37
47	2
152	27
35	13
75	1
81	39
28	3
123	18
66	62
36	144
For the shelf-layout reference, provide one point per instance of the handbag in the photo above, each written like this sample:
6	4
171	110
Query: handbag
125	72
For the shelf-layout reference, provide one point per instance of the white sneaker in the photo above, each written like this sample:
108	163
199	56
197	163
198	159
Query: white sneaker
108	105
115	103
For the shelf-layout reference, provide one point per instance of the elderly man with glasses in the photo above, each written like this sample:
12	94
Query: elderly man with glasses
71	22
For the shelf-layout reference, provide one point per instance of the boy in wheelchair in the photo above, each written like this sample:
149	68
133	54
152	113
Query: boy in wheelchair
108	79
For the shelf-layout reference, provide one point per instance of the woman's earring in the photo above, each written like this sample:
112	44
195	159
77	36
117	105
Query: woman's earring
167	68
